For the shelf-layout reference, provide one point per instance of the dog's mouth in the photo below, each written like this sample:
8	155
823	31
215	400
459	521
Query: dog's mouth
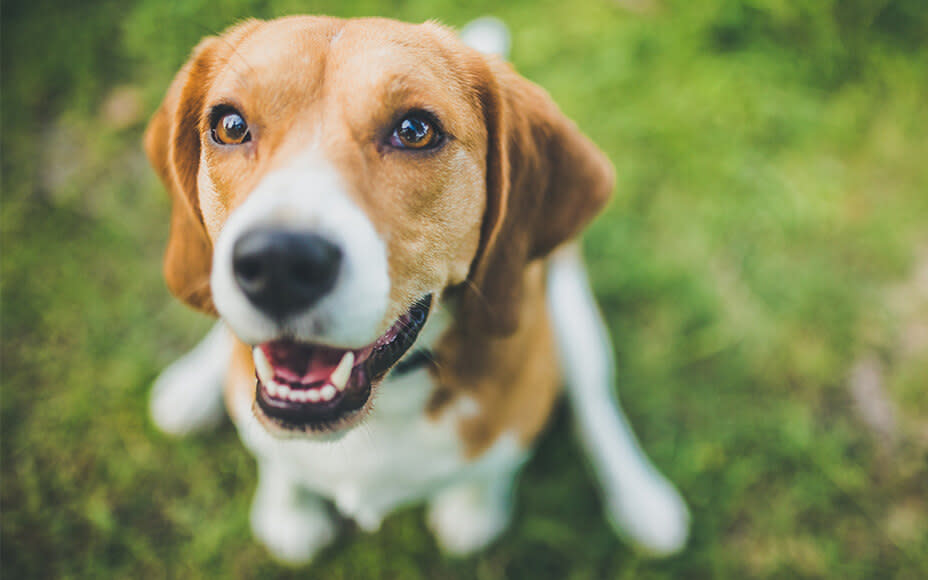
316	388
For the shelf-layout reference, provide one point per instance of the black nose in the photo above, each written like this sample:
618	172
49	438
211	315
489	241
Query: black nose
283	272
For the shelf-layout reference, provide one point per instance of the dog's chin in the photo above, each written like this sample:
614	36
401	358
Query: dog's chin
320	391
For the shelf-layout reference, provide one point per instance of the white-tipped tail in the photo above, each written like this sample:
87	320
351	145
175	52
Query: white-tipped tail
641	503
488	35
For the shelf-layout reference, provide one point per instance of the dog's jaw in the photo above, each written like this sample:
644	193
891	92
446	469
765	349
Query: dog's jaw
316	389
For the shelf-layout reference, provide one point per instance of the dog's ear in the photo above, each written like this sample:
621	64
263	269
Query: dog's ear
545	182
172	142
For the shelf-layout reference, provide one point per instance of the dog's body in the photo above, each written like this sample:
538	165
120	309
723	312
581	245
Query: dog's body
434	245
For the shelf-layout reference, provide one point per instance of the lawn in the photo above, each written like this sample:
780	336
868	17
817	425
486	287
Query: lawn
763	268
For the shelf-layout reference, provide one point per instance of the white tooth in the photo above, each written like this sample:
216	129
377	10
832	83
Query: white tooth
298	396
271	387
312	395
327	392
283	391
343	371
264	368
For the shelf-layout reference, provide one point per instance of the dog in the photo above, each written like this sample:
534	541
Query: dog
383	218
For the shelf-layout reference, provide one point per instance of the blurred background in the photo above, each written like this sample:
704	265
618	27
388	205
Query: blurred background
763	268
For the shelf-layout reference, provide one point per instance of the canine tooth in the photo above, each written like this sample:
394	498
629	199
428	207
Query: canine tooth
343	371
327	392
312	395
263	366
271	387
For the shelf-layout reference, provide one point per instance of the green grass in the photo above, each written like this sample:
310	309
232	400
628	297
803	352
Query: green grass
771	208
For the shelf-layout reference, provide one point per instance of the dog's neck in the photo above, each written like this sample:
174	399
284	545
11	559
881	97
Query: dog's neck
513	379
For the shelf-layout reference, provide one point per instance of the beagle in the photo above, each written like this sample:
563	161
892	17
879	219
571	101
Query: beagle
381	216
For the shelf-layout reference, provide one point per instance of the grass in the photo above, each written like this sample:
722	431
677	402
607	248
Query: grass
770	221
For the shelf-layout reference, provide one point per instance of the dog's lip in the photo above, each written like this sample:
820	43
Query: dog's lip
314	387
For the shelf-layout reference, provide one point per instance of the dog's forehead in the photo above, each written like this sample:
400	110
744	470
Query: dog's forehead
297	61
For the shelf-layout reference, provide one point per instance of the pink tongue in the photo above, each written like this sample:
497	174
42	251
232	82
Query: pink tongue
296	363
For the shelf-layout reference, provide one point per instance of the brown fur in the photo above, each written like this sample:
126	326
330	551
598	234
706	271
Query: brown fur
471	220
545	182
514	378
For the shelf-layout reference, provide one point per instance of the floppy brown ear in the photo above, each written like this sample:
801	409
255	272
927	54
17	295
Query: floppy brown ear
172	142
545	182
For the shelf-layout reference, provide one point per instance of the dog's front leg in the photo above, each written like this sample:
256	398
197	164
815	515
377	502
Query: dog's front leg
187	396
293	523
468	516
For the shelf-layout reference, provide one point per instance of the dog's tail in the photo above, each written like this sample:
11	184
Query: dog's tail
488	35
640	503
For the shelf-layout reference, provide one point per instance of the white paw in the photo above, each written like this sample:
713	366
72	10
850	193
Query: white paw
654	517
464	520
295	535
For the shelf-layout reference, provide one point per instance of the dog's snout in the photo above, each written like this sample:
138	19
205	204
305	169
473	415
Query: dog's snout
283	272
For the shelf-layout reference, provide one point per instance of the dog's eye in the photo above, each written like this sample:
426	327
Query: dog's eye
230	128
416	131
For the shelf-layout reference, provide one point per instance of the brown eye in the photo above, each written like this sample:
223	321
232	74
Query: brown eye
231	129
415	131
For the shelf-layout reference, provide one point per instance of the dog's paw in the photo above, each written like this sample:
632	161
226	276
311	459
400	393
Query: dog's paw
465	519
293	536
655	518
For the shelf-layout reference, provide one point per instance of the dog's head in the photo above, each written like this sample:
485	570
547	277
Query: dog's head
331	179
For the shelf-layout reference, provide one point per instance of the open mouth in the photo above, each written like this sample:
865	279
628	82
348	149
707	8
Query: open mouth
313	387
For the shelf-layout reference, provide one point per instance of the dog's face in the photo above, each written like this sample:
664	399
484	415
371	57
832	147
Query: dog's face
331	179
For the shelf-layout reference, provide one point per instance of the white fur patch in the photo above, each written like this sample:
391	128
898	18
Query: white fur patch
293	525
470	514
187	396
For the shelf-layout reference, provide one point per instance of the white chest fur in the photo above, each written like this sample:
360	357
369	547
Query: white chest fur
398	455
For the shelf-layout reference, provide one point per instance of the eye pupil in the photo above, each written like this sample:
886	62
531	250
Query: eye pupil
414	130
234	126
231	129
